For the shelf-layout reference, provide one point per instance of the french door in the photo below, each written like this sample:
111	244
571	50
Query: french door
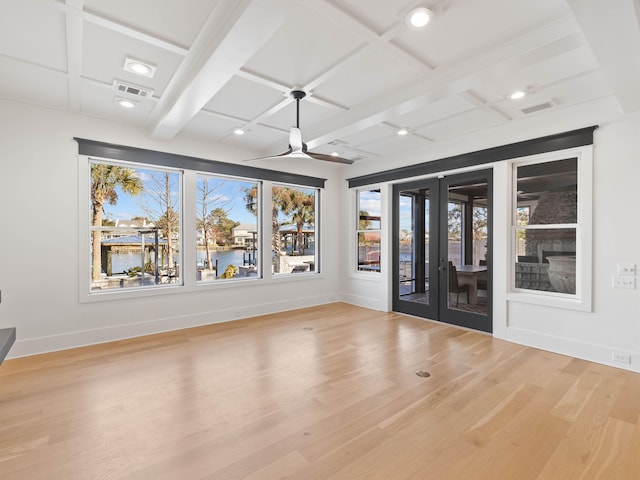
442	249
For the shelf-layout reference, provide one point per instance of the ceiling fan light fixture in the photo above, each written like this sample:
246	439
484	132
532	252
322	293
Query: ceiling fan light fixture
419	17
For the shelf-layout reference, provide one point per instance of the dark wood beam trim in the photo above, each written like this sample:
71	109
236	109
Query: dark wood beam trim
560	141
94	148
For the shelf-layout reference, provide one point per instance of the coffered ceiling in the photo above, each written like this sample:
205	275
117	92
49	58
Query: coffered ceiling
223	65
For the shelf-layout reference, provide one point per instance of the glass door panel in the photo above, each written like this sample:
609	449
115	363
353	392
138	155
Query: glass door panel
440	249
464	243
412	254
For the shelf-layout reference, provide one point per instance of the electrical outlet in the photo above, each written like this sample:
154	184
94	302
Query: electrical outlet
621	281
627	269
620	357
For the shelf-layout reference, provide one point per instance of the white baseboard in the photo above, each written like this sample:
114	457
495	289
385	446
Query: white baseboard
365	302
81	338
566	346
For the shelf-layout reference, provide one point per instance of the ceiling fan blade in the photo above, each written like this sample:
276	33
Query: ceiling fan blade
329	158
270	157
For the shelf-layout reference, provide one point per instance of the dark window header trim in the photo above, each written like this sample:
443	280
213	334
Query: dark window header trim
560	141
94	148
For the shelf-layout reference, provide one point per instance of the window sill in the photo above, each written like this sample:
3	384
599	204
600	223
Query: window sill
550	300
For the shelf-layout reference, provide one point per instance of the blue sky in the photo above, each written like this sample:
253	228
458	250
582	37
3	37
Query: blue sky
227	194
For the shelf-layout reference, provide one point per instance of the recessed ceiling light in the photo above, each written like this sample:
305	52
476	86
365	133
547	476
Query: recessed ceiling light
419	17
517	94
335	154
123	102
139	67
403	131
239	131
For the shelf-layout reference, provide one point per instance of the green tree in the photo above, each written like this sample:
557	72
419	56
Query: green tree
363	220
293	203
209	217
163	209
104	182
222	226
301	207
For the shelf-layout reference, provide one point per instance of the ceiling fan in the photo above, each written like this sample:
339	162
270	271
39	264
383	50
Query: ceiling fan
297	148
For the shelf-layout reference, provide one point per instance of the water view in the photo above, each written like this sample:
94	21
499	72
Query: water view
121	262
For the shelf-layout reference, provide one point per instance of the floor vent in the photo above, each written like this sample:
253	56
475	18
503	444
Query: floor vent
135	90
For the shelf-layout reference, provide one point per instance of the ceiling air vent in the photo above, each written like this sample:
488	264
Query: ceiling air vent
129	89
537	108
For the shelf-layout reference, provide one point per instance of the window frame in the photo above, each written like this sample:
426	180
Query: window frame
582	299
359	231
90	150
259	264
317	264
86	232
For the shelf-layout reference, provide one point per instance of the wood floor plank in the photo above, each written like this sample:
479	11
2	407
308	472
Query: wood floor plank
329	392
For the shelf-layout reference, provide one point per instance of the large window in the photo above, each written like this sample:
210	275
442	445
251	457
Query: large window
135	226
550	238
368	230
294	229
227	228
157	223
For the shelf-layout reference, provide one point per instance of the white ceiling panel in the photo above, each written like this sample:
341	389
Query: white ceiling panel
28	83
222	65
295	56
175	21
210	127
105	52
245	99
536	77
458	125
216	128
310	114
374	73
100	102
394	143
448	106
379	15
467	27
368	135
34	32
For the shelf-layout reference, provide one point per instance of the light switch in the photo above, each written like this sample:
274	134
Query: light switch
622	281
628	269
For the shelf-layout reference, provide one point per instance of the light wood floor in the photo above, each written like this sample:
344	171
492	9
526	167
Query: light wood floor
321	393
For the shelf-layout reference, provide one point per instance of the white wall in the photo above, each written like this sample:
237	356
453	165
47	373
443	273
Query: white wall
39	240
39	244
613	325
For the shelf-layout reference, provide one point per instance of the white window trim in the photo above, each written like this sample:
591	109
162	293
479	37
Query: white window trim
353	233
582	301
188	242
356	229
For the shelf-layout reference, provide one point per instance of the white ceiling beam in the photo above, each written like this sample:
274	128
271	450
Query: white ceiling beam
73	25
612	30
547	41
231	36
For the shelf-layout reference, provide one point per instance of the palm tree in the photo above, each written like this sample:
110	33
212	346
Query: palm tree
301	206
104	180
280	202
